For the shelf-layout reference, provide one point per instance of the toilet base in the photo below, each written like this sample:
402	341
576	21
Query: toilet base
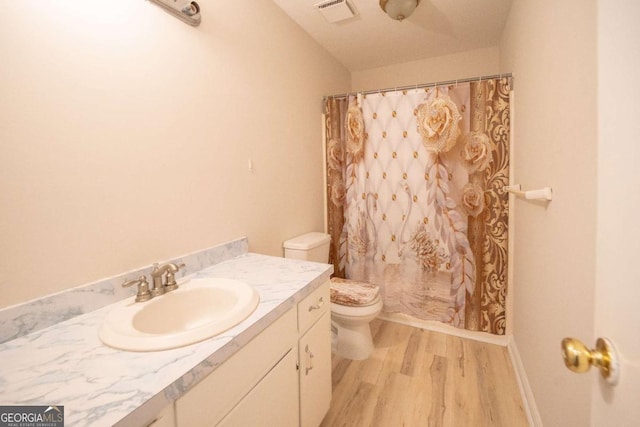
353	342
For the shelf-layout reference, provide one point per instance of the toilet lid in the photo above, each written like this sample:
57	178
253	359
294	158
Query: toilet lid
352	292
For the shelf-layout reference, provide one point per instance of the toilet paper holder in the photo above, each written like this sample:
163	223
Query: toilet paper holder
544	193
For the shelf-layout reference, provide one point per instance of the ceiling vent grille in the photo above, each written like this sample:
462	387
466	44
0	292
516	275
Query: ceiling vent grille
336	10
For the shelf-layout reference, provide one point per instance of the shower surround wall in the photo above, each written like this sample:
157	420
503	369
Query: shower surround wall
416	199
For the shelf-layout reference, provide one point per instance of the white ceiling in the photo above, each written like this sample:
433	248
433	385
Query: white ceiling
372	39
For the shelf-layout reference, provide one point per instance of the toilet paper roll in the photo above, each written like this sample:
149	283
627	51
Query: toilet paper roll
542	194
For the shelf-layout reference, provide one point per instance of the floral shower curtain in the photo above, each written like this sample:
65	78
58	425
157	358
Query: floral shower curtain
416	201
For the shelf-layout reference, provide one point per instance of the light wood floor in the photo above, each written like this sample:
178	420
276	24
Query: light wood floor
422	378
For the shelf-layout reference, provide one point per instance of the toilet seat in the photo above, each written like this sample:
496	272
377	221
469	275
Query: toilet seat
353	293
368	309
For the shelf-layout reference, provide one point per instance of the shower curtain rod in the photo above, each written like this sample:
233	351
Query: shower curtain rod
421	86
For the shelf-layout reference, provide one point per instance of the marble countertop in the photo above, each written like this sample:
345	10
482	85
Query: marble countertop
66	364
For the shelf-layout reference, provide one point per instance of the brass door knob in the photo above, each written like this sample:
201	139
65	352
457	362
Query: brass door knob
578	358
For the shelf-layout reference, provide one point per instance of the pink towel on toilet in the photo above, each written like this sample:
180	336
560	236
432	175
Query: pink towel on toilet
352	292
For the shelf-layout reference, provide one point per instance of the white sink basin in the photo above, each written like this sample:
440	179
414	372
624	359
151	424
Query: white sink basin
200	309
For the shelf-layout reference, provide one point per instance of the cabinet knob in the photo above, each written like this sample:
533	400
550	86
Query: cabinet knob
578	358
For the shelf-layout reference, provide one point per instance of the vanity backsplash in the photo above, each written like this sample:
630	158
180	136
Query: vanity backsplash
31	316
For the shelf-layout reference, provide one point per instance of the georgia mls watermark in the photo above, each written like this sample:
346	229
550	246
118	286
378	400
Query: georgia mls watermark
32	416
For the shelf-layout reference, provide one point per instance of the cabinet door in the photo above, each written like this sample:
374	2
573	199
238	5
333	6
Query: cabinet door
273	402
166	418
315	372
216	395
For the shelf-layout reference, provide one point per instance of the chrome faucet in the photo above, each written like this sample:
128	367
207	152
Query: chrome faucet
170	269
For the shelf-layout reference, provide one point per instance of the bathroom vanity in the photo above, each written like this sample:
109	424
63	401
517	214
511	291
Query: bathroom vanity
274	368
288	385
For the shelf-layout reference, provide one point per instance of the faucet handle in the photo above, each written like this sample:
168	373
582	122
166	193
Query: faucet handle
143	288
171	284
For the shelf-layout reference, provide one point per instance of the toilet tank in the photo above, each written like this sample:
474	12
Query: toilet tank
310	247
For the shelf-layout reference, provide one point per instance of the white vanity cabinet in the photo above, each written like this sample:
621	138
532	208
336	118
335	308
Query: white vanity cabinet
314	349
251	368
281	378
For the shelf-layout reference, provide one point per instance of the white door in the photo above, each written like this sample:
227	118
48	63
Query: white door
617	315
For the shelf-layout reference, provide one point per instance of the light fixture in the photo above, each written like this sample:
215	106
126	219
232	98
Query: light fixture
187	11
399	9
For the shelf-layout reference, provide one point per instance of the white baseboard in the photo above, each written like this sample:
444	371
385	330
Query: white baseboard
530	407
444	328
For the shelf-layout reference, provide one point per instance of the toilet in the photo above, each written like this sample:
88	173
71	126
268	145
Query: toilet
353	304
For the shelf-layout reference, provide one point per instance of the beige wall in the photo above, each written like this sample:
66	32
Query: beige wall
125	136
479	62
551	49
